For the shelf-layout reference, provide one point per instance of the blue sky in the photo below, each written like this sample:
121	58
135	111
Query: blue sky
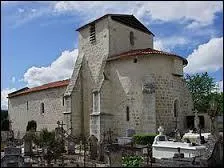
39	42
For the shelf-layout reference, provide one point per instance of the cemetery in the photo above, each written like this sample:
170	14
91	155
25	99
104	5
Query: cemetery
158	151
121	108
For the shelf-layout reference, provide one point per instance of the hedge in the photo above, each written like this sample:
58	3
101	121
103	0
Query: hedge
144	139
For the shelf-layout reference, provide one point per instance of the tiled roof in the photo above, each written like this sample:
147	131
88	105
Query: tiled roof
129	20
141	52
39	88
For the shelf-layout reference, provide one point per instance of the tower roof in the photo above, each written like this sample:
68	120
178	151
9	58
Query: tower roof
129	20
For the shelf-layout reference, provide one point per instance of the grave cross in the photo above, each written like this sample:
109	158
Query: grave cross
60	124
10	124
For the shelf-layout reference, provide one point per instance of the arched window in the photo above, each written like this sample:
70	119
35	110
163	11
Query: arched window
127	113
27	105
175	108
42	108
132	42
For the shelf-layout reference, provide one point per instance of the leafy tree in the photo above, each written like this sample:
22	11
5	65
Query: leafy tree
218	98
4	115
47	140
4	120
5	125
32	125
201	87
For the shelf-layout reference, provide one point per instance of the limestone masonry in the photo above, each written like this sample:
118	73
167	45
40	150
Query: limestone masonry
119	82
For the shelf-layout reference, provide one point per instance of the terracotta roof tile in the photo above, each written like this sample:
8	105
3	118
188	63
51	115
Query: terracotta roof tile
39	88
146	51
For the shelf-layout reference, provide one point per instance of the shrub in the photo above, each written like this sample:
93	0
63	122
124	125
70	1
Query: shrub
144	139
132	161
5	125
32	125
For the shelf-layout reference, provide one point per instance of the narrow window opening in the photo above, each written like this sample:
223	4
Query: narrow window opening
135	60
42	108
63	101
132	42
27	108
175	108
92	33
127	113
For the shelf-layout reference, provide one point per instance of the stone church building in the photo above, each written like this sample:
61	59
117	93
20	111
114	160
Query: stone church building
119	82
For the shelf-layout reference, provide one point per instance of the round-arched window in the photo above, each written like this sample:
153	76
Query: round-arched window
176	108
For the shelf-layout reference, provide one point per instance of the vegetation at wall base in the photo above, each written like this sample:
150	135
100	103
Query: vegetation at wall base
144	139
132	161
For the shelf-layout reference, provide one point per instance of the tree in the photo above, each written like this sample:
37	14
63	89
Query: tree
47	140
5	125
32	125
205	96
201	87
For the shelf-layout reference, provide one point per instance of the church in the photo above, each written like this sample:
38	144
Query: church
119	82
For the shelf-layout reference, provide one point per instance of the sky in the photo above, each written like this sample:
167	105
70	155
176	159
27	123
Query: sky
39	43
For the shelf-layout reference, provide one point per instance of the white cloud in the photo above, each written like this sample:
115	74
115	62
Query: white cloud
33	10
13	79
198	12
220	83
4	95
207	57
21	10
60	69
218	87
169	43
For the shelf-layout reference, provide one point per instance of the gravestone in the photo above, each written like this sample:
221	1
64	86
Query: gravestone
27	144
12	157
71	147
196	120
130	132
101	150
59	133
93	146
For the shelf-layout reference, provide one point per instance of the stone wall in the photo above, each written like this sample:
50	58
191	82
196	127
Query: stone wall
168	89
120	38
147	110
53	109
124	87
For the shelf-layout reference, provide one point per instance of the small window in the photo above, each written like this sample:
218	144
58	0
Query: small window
42	108
132	42
175	110
135	60
63	101
27	108
92	32
127	113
